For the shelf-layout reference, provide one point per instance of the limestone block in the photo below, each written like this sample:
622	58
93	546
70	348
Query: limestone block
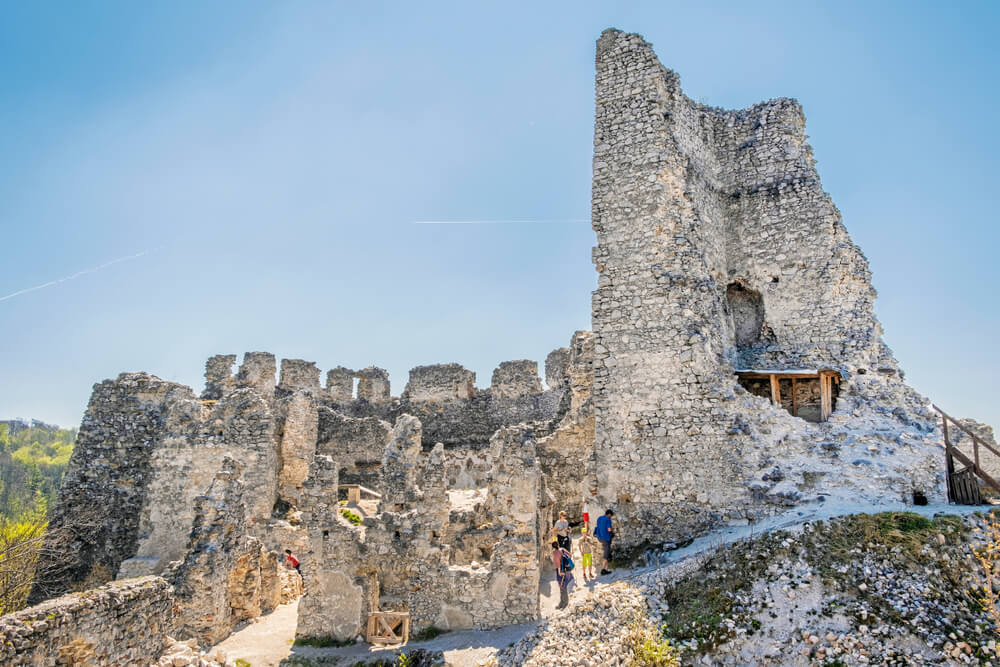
440	382
297	374
513	379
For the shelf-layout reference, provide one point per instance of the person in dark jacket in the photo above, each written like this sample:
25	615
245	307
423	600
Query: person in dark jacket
604	531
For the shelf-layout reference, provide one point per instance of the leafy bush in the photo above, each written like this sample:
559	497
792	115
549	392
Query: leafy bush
322	642
351	516
650	647
428	633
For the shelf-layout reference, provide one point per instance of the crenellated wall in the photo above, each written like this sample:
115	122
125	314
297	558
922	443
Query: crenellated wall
148	449
440	382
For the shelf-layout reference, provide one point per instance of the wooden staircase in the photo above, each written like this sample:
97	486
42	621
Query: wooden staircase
964	485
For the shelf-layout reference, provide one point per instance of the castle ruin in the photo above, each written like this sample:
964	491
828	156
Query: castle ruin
735	369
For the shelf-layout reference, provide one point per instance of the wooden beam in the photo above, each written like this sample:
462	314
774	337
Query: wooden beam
964	430
968	462
775	390
795	406
825	390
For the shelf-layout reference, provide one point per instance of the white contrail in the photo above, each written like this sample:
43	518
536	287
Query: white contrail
74	276
496	222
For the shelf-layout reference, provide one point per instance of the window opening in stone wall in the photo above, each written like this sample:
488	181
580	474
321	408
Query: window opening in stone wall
747	310
808	394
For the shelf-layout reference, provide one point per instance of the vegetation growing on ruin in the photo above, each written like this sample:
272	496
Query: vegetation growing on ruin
650	646
20	542
718	603
351	516
428	633
322	642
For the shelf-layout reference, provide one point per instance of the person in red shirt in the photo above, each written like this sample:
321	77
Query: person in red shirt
292	561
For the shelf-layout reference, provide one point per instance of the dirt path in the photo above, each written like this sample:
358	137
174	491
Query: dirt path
267	640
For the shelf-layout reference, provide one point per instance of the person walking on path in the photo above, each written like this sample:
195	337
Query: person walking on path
561	531
563	563
587	544
605	532
292	562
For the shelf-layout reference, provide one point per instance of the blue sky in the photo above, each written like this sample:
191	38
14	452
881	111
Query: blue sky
270	158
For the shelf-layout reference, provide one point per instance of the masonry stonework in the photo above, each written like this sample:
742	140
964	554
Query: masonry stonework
718	250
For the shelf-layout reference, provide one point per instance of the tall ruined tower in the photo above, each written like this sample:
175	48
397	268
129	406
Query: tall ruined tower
718	251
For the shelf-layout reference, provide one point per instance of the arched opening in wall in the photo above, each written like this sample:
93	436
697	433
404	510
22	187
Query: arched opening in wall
747	310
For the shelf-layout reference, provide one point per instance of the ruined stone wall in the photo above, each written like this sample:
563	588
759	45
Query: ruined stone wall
556	364
401	558
96	519
298	441
513	379
239	425
299	375
218	376
356	443
566	455
373	385
439	382
333	572
119	624
717	249
257	372
219	582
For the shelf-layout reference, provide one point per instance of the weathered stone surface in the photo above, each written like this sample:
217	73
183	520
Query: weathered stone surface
257	372
298	442
356	443
440	382
218	584
218	376
514	379
96	520
718	249
300	375
566	455
121	623
373	385
556	364
340	384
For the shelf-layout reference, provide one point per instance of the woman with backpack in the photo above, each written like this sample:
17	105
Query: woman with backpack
563	563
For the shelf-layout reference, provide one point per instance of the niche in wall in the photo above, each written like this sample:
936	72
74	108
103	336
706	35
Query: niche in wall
747	310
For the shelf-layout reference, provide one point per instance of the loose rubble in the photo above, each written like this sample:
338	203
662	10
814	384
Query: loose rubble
887	589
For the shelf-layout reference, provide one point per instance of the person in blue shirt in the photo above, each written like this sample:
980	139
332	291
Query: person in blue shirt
604	532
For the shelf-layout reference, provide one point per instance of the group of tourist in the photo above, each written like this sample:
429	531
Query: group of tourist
562	550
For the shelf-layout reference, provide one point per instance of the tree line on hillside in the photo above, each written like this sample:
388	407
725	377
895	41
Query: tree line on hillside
33	460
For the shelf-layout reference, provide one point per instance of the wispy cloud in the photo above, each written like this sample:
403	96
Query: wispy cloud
76	275
499	222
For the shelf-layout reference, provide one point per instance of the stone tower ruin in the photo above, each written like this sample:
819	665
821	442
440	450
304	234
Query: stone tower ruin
722	266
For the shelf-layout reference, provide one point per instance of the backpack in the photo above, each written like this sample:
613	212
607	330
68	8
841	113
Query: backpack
566	563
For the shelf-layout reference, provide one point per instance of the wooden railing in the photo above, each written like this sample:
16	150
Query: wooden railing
963	485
